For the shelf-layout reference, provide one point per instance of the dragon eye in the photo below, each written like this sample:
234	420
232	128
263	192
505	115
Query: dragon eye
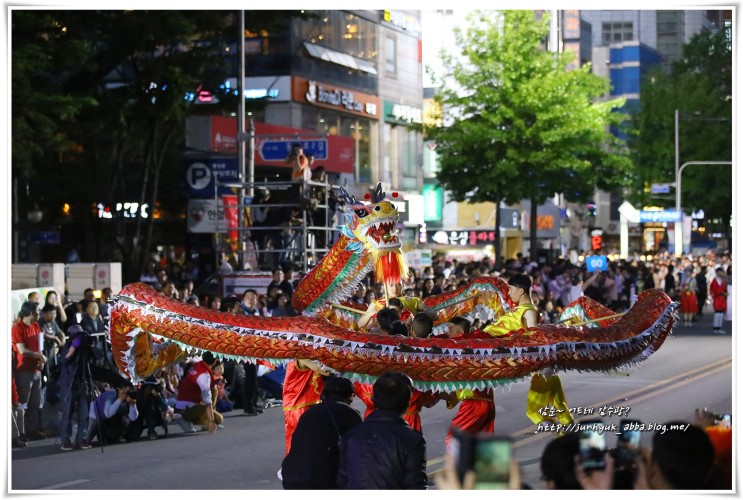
377	208
361	212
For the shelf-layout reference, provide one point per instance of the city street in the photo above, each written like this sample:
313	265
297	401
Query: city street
693	369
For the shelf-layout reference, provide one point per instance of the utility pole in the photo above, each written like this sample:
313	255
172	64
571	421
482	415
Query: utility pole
242	220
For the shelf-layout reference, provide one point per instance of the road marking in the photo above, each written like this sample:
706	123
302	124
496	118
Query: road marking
627	399
65	485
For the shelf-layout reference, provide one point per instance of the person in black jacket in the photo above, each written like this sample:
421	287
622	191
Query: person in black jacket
384	452
312	462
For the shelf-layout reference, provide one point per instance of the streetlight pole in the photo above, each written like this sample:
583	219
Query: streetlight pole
678	241
678	226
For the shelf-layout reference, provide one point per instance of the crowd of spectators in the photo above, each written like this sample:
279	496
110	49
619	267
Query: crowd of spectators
47	331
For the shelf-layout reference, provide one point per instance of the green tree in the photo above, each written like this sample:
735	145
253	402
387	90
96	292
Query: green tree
517	124
99	110
699	86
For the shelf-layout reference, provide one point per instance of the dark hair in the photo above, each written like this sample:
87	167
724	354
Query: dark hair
250	290
557	463
228	304
392	392
462	323
394	301
521	281
684	456
337	389
386	316
422	325
208	357
48	307
28	308
398	328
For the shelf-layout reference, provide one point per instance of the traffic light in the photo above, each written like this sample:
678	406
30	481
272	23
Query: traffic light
591	209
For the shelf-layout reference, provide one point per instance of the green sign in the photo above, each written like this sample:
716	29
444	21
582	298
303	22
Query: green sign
433	202
402	113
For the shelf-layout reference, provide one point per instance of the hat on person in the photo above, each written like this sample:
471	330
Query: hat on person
520	281
337	388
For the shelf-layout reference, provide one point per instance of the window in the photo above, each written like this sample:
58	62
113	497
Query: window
616	32
343	32
390	56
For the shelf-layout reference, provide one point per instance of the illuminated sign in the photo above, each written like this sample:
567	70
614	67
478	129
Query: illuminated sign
660	215
402	113
332	97
125	210
402	20
596	239
271	88
464	237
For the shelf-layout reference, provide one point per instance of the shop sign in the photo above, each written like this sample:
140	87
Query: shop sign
334	97
464	237
660	215
402	20
402	113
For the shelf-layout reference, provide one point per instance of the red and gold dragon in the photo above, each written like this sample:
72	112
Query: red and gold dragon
149	331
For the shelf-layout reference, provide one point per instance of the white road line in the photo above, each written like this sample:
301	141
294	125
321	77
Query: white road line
65	485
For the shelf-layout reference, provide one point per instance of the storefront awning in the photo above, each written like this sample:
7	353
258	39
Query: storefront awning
339	58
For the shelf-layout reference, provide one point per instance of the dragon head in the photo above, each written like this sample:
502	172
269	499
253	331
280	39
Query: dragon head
372	228
373	225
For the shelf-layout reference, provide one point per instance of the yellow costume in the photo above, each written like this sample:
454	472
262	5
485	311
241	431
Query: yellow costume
412	304
509	322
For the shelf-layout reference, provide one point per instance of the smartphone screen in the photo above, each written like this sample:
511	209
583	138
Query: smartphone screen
628	441
725	420
492	462
592	447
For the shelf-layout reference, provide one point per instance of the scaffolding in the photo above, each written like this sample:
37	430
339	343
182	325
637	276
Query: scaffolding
266	247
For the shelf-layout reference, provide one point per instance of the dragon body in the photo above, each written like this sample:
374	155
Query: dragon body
149	331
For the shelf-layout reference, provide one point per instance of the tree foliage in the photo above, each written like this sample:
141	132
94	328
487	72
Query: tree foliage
699	86
516	123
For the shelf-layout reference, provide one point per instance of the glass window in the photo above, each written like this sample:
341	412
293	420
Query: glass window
616	32
360	132
390	56
342	31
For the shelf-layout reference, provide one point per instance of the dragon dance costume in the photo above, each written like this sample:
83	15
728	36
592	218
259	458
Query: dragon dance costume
149	331
302	389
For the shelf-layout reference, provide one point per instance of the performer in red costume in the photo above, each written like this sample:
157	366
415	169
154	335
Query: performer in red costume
475	414
303	386
718	290
477	411
412	415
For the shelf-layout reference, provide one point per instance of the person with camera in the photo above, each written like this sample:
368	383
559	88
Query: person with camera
74	389
117	409
29	361
152	407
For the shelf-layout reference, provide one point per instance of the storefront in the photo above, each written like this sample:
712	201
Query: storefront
338	111
402	145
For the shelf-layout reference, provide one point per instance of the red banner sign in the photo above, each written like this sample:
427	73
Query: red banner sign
341	150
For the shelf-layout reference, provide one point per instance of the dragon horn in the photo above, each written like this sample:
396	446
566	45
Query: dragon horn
378	194
349	199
